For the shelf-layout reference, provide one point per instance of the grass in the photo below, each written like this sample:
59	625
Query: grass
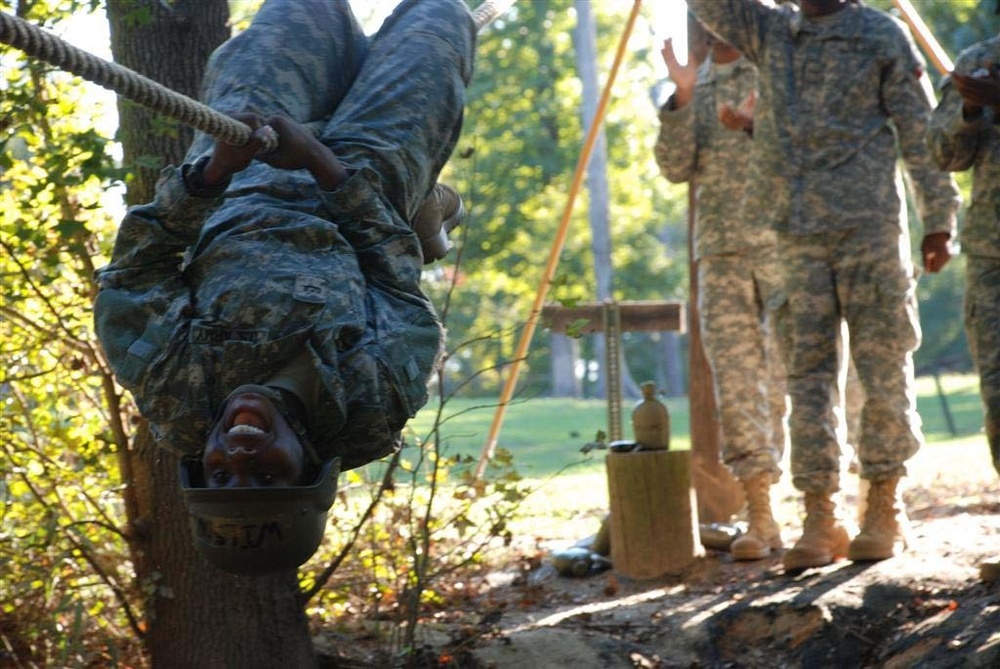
545	435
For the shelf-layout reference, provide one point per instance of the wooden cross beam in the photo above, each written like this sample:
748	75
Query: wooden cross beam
613	318
635	316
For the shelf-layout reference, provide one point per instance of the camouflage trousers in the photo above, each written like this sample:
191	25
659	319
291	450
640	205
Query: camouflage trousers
742	308
866	277
389	106
982	324
850	397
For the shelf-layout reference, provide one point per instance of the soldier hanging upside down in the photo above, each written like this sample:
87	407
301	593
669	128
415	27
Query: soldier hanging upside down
265	309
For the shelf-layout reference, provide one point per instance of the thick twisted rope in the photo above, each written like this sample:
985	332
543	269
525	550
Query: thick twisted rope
123	81
142	90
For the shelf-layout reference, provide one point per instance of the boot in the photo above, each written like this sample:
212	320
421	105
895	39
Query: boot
824	539
881	527
439	214
763	534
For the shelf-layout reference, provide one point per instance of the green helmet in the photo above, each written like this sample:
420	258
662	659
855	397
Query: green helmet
257	530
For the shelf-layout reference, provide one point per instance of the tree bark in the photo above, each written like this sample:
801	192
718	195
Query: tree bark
585	38
672	367
564	352
196	615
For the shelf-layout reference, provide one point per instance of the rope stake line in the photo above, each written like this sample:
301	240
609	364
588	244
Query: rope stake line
133	86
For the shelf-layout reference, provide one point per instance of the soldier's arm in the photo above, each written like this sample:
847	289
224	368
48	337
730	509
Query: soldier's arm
676	148
953	140
908	98
956	129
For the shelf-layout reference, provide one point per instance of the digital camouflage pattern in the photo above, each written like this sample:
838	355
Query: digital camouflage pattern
836	96
276	282
959	144
740	293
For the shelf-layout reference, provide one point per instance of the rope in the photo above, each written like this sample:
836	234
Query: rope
128	84
133	86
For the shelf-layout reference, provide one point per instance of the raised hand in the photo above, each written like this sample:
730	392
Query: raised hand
683	76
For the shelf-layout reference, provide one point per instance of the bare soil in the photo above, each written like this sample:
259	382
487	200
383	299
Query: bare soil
929	607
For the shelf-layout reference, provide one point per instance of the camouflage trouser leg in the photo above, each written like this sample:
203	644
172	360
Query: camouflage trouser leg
770	282
391	107
865	276
982	323
298	58
403	115
747	377
850	397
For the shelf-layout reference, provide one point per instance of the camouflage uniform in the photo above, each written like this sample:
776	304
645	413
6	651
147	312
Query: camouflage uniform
277	282
958	144
741	298
836	94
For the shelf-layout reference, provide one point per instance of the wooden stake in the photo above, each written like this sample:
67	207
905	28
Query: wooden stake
654	518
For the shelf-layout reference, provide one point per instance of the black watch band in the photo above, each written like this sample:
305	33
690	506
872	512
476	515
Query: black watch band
194	180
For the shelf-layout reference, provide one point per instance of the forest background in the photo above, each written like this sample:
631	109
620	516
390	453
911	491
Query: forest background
65	424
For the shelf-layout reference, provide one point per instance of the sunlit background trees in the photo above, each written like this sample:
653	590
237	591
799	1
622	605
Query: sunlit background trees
69	590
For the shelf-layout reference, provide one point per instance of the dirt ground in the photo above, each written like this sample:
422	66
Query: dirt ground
926	608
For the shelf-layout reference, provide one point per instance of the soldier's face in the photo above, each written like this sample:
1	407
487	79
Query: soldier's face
252	445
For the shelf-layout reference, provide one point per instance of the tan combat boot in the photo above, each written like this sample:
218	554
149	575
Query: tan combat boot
763	534
439	214
824	539
882	525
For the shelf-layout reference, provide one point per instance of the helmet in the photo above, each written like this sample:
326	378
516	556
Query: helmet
257	530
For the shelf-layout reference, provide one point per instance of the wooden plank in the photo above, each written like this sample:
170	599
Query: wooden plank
720	495
636	316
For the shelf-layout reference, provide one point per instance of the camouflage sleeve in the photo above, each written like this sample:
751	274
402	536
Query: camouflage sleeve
908	97
141	290
742	23
953	140
676	148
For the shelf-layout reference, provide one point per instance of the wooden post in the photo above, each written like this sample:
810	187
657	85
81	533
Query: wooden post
654	518
719	493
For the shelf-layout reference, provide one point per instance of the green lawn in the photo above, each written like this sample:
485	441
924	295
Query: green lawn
546	435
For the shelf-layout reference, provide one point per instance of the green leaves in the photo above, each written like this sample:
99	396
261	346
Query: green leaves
66	567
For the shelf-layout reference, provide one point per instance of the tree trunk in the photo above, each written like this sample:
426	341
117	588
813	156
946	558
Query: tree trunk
673	370
585	38
197	616
564	353
670	364
653	524
719	493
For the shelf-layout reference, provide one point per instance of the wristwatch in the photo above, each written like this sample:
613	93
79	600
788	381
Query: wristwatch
194	180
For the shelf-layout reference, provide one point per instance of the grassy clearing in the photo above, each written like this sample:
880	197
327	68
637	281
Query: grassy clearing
546	434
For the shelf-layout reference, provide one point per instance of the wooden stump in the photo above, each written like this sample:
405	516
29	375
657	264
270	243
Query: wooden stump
654	516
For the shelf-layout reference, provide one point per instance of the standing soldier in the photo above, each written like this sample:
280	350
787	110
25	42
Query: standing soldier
705	134
841	86
962	134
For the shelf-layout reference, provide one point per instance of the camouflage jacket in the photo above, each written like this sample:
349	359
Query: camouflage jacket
958	144
274	279
693	142
836	94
